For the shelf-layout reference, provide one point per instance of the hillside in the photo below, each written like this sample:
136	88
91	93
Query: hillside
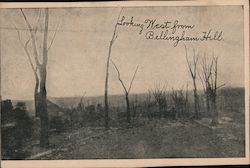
230	97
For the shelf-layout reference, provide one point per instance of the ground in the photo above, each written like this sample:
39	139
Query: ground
152	139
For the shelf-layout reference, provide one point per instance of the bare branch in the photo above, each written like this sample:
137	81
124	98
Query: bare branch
194	56
210	69
53	37
32	38
45	38
26	44
132	79
195	60
115	33
202	82
26	20
25	47
189	64
119	77
38	19
116	36
206	71
221	86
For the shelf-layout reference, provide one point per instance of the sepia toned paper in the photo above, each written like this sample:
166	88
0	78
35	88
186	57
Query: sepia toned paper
124	84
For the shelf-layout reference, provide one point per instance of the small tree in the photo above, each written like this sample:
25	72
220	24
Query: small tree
126	91
80	105
179	102
160	95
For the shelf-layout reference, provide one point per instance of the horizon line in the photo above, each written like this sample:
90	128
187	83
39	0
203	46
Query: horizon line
101	95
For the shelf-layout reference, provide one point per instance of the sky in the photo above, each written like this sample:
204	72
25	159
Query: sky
77	57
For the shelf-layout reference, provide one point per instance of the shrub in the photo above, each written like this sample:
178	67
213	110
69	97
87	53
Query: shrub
16	132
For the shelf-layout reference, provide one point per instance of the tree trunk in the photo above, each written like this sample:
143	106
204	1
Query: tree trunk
36	96
196	108
159	111
106	90
186	107
106	108
214	110
128	109
44	137
207	103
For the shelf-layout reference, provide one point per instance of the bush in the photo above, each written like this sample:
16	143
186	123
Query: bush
16	133
57	123
6	111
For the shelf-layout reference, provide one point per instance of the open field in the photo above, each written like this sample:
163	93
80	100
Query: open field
153	139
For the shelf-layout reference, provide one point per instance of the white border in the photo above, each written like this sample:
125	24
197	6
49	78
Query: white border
124	3
146	162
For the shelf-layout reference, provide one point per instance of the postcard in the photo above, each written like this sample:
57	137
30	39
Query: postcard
124	84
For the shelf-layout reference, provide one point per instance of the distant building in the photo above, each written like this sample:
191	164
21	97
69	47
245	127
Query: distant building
54	110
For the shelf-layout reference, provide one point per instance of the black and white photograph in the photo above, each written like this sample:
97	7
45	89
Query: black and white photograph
124	80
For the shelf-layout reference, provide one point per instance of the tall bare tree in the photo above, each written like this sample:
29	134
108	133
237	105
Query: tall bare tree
126	91
106	103
209	78
39	68
192	66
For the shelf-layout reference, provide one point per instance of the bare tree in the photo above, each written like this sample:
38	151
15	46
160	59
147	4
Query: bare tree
209	78
39	68
126	91
205	76
106	103
81	106
192	66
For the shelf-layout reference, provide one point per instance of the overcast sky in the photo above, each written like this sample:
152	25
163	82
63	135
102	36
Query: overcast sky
78	55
